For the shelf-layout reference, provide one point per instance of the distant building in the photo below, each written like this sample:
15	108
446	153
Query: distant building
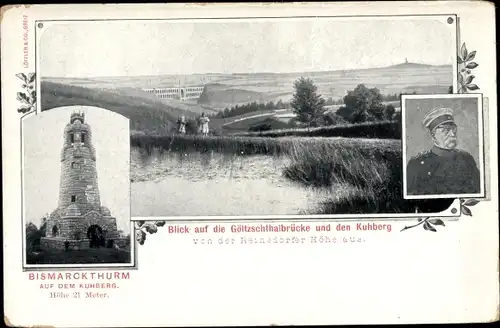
179	93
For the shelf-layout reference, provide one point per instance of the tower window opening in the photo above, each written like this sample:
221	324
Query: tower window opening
73	198
72	137
75	165
83	138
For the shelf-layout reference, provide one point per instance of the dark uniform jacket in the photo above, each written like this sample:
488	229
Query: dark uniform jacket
440	172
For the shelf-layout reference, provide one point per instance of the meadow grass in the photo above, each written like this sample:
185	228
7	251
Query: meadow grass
364	177
361	175
355	162
82	256
378	129
220	144
240	145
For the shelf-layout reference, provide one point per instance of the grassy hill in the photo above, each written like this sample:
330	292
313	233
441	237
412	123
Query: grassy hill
191	108
409	65
146	112
274	118
406	78
248	124
241	123
221	95
227	90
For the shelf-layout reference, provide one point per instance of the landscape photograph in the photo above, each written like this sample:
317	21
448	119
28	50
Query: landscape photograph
256	118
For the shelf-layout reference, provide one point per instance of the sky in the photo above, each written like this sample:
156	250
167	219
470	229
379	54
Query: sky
42	144
131	48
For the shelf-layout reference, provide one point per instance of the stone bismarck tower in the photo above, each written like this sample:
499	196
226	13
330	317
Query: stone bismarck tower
79	215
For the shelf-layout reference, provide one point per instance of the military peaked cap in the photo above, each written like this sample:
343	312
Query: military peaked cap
438	116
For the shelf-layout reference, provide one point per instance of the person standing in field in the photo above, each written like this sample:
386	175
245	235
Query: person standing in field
204	124
181	125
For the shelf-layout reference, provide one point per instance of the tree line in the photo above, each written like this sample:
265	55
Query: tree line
371	96
271	105
360	105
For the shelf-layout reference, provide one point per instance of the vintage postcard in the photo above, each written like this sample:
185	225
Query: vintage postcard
249	164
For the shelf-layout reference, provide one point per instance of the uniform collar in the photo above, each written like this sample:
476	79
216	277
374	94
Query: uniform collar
443	152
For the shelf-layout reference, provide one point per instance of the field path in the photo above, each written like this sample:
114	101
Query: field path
248	117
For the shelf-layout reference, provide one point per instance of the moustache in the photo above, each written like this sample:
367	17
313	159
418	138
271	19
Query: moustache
450	141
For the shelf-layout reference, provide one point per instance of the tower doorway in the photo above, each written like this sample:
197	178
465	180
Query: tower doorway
96	236
55	231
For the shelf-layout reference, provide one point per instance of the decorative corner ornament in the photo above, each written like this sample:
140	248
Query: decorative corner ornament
466	65
430	224
466	203
142	228
27	97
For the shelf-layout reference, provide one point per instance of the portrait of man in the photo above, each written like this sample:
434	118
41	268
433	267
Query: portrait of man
443	167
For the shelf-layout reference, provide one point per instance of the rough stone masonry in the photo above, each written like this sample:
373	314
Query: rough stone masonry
79	214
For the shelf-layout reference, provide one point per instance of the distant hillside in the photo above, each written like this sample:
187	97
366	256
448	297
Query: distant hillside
255	124
228	90
412	65
218	94
259	87
145	114
241	122
191	109
425	89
